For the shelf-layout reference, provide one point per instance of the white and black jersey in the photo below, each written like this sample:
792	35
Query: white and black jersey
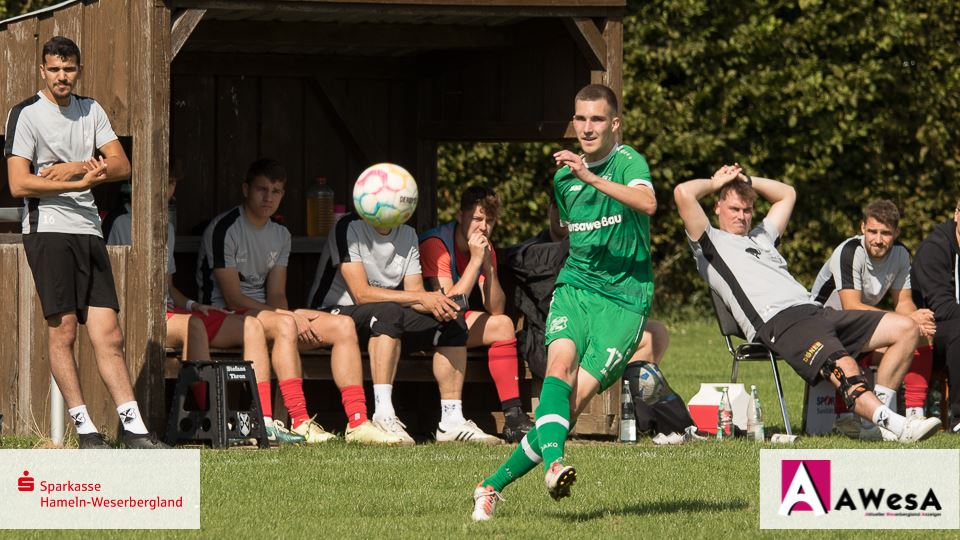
850	267
387	260
231	241
46	134
748	273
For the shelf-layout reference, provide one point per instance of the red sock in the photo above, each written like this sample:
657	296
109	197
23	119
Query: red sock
504	367
263	388
917	380
292	391
354	404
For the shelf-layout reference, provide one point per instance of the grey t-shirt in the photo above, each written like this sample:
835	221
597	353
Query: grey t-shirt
45	133
120	235
849	267
748	273
387	260
231	241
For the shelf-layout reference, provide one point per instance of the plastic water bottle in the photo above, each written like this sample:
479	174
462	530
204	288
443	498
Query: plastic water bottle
755	416
628	418
319	208
724	417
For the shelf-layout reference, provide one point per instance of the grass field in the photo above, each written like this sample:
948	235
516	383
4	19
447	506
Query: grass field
706	489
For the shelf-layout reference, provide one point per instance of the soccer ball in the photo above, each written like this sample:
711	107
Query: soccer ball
385	195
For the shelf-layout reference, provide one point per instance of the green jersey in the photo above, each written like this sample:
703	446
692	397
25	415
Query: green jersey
609	242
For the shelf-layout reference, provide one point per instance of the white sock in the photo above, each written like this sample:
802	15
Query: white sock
888	419
914	411
383	401
887	396
81	419
451	413
130	418
267	421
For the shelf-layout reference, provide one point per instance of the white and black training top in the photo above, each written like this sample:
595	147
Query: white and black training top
231	241
119	234
849	267
45	133
387	260
748	273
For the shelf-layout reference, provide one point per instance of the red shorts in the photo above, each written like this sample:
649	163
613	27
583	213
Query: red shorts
211	322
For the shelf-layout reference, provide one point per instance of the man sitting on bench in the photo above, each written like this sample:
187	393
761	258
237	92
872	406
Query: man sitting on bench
456	258
745	269
373	276
242	266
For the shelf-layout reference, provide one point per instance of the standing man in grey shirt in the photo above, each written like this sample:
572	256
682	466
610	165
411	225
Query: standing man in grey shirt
744	267
51	142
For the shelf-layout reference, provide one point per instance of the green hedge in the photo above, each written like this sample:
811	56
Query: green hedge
847	103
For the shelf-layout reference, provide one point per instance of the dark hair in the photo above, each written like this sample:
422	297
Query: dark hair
270	168
60	46
742	189
596	92
483	196
884	211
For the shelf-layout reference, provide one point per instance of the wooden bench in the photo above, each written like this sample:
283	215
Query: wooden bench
416	396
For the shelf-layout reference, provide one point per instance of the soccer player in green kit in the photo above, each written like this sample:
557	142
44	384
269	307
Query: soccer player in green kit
602	295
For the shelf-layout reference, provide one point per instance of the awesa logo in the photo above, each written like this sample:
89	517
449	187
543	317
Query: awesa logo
805	487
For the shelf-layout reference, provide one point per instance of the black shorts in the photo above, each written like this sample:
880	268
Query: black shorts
418	330
72	272
806	336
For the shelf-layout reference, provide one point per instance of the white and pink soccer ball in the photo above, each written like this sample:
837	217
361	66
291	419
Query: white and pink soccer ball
385	195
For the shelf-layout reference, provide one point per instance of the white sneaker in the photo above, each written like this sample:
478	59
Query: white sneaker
313	432
485	502
370	433
466	432
393	426
558	479
689	434
917	429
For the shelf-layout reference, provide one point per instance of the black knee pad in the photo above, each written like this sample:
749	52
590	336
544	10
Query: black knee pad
851	388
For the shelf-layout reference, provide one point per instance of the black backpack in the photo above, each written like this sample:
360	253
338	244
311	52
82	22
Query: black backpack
535	263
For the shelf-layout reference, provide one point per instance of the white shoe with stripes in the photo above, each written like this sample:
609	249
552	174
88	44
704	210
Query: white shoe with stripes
466	432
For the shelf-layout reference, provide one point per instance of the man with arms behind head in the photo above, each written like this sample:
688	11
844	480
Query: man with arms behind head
602	295
743	266
51	141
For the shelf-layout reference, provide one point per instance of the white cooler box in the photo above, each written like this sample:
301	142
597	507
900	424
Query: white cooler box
703	406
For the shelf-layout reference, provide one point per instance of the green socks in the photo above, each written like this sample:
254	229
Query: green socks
521	461
553	419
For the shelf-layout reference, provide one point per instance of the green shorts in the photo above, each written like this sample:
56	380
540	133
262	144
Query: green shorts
606	334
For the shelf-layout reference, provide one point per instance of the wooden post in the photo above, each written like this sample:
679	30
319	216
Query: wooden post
146	269
613	75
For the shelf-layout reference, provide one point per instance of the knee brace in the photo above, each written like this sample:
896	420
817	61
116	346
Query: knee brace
850	387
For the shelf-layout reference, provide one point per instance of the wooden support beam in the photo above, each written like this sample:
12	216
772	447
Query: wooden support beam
291	65
612	76
184	22
437	8
147	260
498	131
298	37
346	116
589	40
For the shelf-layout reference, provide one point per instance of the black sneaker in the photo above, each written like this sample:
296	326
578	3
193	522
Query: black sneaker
516	425
146	441
93	441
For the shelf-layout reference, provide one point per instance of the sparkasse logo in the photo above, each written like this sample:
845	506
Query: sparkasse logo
25	482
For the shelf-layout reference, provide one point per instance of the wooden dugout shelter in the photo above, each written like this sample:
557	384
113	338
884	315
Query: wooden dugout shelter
325	86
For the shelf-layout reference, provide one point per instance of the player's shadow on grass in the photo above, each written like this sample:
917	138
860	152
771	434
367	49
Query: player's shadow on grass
660	507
